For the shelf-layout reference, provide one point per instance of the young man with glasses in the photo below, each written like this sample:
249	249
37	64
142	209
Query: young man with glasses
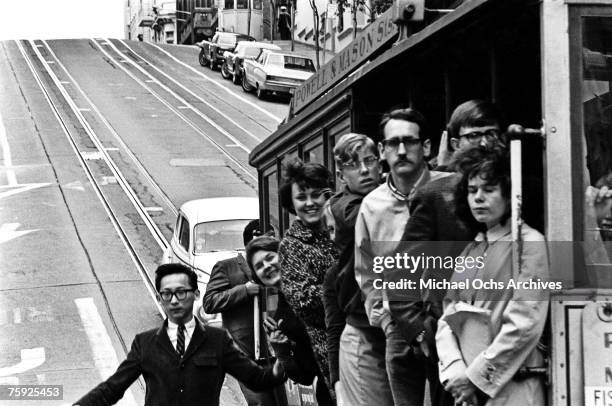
182	361
404	145
356	351
432	219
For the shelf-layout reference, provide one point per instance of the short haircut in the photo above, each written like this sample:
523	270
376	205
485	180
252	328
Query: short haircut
605	180
406	114
492	165
472	113
263	243
305	175
349	145
171	269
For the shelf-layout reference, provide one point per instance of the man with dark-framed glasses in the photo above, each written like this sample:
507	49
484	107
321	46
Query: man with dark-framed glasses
182	362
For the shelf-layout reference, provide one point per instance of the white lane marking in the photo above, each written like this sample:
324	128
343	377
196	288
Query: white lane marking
179	98
63	82
278	119
76	185
84	109
17	315
30	358
9	380
154	208
6	155
111	149
111	129
228	118
102	349
16	189
9	232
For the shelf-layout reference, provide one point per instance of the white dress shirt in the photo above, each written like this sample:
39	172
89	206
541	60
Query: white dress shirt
172	330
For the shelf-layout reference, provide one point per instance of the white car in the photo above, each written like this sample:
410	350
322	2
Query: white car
207	231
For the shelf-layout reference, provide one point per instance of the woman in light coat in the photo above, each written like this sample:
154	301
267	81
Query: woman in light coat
489	335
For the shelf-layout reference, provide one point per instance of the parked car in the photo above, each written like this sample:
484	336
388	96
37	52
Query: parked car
208	231
211	52
278	72
233	64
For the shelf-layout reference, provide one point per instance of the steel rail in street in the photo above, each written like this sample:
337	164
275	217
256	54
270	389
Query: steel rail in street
121	180
235	161
143	171
217	126
231	92
227	117
131	250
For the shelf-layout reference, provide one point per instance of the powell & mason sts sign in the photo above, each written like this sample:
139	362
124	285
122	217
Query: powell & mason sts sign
369	40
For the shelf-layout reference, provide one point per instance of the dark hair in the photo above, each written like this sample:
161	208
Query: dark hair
472	113
405	114
492	165
170	269
605	180
251	231
264	243
305	175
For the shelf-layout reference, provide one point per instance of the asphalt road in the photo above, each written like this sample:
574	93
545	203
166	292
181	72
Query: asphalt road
125	115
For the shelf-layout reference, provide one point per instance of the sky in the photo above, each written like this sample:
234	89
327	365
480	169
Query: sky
61	19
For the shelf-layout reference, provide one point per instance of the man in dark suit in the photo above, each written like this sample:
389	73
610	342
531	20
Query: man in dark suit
433	229
182	362
230	291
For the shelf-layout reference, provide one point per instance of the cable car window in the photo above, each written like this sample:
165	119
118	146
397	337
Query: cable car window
597	118
242	4
257	4
229	4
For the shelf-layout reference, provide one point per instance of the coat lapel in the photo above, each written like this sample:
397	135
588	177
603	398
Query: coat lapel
163	341
198	338
243	267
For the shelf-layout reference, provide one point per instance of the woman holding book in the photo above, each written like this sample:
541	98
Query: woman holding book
488	336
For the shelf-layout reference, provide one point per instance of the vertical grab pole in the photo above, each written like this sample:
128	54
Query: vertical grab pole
516	201
256	334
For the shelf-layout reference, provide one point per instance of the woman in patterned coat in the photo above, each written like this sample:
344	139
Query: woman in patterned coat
306	250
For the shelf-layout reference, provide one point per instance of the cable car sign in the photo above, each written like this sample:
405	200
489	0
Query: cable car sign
369	40
597	343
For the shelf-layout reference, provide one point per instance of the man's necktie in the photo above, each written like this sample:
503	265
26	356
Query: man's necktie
180	339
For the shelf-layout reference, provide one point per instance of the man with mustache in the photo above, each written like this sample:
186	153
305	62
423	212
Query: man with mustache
404	145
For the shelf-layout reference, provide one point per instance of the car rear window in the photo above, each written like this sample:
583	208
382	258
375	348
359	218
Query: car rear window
227	40
252	52
293	62
224	235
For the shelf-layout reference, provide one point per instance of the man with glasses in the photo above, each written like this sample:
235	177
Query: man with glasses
182	362
404	145
432	219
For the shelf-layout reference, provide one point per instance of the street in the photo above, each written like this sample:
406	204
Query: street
102	141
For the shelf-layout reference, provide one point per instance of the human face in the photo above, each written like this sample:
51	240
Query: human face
308	204
470	137
405	158
361	176
486	201
178	311
265	265
330	222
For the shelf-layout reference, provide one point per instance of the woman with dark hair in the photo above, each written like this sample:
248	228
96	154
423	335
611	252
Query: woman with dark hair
306	251
287	333
488	334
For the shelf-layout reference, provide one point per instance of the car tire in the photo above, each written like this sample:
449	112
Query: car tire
202	58
245	85
261	94
225	72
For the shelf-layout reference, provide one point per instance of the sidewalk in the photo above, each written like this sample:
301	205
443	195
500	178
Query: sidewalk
303	49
